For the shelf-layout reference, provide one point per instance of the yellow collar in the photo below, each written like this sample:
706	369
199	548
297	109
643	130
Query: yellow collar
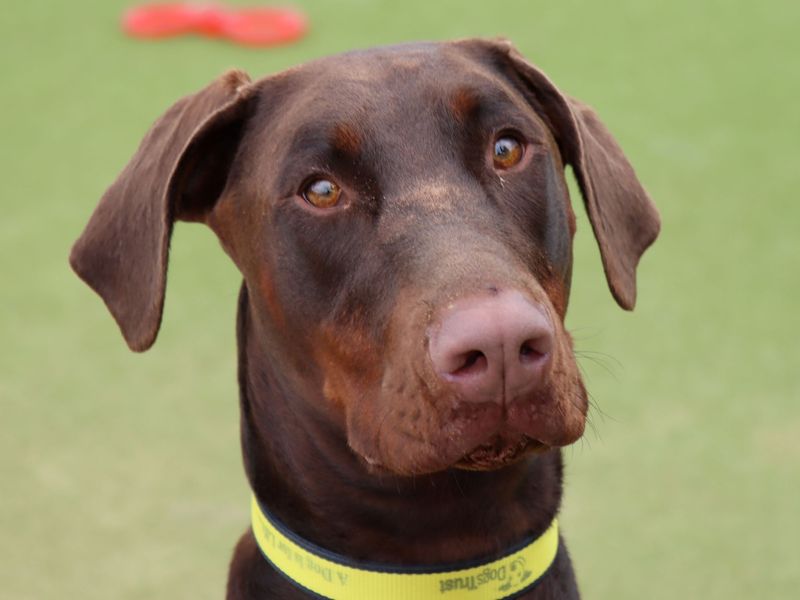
334	576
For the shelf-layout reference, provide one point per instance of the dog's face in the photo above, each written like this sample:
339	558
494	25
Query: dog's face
403	226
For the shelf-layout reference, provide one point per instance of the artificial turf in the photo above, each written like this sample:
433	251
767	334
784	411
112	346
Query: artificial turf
121	473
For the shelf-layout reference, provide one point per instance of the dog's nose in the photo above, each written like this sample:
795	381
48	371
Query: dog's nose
492	348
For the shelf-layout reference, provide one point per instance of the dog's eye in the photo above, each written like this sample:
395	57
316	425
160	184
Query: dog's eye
322	193
507	152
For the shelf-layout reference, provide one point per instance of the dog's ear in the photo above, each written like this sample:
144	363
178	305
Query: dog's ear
178	172
624	219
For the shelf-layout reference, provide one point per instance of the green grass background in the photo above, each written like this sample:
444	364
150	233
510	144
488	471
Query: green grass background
121	473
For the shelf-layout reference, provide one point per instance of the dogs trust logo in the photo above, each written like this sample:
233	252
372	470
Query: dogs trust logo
511	576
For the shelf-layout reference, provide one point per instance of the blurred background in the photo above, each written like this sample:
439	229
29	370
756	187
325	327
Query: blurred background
121	473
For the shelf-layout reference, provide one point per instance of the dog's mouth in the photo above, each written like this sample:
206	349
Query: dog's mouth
500	452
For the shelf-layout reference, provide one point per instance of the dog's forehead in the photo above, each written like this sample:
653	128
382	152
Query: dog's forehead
394	64
386	82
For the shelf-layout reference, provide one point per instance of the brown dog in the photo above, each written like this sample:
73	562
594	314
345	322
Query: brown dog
402	223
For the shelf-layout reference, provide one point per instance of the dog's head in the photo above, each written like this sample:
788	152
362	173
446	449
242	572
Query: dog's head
403	226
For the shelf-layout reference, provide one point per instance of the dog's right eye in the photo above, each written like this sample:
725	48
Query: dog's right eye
322	193
507	153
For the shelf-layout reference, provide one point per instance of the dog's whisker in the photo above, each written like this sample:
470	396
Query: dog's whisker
598	360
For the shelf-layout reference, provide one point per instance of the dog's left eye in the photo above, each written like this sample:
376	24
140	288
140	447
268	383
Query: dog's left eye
322	193
507	152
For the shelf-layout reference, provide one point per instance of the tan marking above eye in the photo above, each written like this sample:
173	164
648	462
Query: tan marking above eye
322	193
507	152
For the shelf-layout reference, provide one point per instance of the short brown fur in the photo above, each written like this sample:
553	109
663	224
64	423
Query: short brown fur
349	434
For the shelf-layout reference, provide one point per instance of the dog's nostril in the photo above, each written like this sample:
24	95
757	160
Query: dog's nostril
472	362
529	351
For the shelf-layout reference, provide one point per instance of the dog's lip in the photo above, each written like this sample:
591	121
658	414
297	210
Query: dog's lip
499	452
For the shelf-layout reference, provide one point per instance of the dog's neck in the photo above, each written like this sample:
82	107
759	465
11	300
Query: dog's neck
302	469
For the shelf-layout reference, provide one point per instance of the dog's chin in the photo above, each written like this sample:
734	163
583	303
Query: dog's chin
493	455
499	453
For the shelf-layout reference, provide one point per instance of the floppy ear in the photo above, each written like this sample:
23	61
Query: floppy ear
624	219
178	172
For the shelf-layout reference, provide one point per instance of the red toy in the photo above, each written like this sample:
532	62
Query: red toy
254	26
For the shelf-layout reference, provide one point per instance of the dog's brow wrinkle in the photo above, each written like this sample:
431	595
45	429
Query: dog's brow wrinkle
360	73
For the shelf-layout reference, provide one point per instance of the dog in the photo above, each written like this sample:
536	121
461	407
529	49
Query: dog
403	226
